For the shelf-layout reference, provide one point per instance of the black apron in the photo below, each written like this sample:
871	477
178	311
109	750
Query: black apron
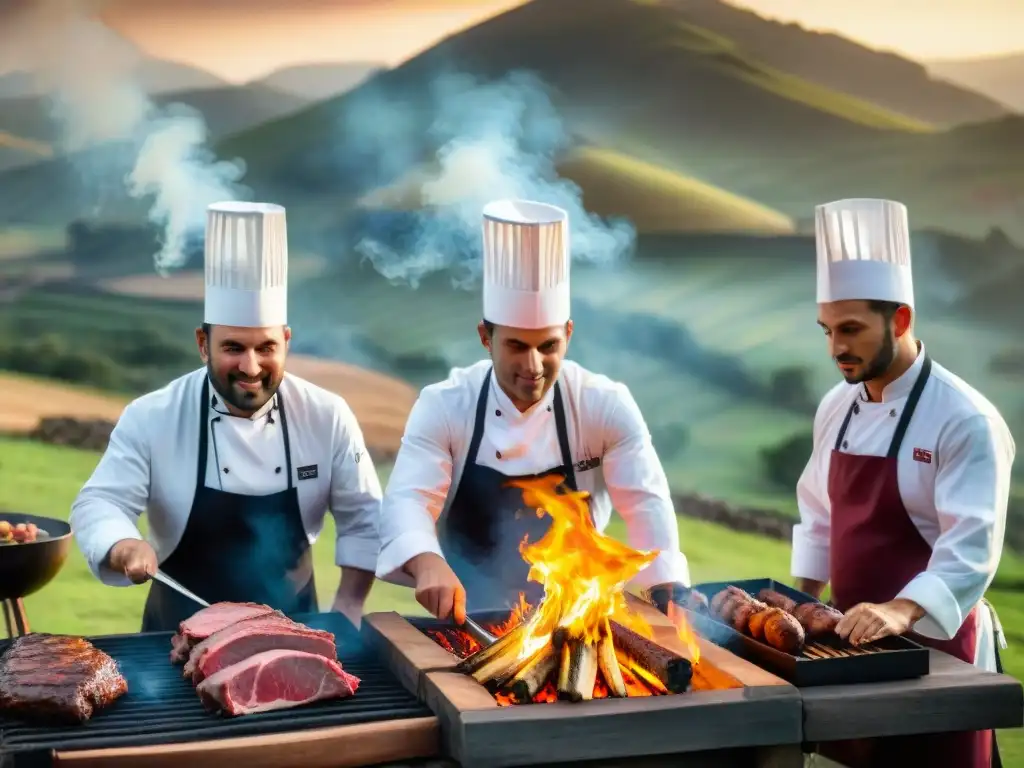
236	548
487	521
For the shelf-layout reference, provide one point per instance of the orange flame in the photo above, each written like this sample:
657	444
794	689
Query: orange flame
583	572
686	633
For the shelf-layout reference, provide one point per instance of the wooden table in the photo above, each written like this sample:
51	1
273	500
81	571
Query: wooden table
955	696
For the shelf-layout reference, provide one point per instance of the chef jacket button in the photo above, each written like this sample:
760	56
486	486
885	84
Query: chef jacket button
277	470
226	470
497	454
845	444
856	409
549	409
893	413
497	413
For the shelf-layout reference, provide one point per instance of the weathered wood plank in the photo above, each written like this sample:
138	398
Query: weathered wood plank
405	650
955	697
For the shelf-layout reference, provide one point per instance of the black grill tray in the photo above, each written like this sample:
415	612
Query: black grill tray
161	707
901	658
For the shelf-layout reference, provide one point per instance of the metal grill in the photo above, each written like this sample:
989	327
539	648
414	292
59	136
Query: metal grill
161	707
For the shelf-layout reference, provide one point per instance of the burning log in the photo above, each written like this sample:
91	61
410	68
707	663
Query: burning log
609	663
578	672
531	678
671	669
509	642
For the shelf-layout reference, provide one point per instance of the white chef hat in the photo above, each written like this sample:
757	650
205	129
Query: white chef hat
246	265
863	249
526	264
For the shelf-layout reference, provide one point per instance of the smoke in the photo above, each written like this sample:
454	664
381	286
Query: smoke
496	139
112	133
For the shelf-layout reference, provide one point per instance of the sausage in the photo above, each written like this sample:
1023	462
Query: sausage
777	599
756	624
746	610
817	619
718	601
783	632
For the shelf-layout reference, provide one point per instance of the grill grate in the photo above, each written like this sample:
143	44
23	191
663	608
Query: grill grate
161	707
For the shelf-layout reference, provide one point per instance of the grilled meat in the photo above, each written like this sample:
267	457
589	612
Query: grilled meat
817	619
764	622
777	599
56	678
783	632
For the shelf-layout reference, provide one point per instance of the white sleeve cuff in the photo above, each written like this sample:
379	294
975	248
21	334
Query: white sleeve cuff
810	559
667	568
399	551
98	543
943	617
357	552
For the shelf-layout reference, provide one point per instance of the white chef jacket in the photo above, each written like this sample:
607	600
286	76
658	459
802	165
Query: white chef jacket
611	449
957	500
150	464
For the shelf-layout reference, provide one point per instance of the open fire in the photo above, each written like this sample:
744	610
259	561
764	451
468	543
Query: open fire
582	641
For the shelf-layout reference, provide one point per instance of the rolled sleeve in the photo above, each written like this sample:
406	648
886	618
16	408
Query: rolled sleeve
355	495
108	507
640	493
417	490
972	489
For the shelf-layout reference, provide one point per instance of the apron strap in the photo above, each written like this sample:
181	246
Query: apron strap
846	423
284	435
563	440
908	411
478	425
204	435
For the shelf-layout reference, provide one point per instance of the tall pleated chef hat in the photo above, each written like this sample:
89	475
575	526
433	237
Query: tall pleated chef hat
526	264
246	265
863	247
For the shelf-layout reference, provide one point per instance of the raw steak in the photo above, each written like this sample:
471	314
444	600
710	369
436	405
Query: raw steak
201	625
275	680
56	678
251	636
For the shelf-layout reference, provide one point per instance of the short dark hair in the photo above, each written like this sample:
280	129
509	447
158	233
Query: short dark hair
489	327
887	309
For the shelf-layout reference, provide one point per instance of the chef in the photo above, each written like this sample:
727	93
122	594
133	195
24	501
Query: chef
450	524
903	502
235	463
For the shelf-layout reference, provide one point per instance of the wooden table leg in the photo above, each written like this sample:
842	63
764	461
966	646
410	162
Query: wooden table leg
15	618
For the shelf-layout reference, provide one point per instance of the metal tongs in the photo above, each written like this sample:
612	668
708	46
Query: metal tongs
478	633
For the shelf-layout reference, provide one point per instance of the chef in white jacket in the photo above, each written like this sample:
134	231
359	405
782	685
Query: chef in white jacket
235	463
450	523
903	501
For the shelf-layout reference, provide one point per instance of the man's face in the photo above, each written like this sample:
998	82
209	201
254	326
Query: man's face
861	341
246	365
527	361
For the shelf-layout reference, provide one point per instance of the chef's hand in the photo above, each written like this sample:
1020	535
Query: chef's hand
438	589
868	622
135	559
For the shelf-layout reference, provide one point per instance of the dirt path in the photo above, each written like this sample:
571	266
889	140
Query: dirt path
380	402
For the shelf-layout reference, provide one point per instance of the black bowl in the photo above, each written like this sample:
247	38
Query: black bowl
27	568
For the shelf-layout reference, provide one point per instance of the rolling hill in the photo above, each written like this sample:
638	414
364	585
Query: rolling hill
154	76
315	82
998	77
901	85
616	185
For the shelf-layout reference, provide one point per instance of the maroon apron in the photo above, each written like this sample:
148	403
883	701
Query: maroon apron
876	550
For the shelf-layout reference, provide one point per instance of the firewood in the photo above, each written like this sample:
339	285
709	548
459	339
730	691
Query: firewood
510	639
582	672
609	664
673	670
501	666
532	677
564	661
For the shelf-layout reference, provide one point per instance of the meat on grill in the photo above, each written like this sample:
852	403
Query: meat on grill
777	599
251	636
272	680
204	623
57	678
762	621
817	619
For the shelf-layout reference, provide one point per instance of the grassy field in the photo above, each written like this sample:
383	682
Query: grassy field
44	480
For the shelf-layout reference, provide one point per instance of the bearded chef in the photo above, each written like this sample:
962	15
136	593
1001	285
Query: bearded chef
450	523
235	463
903	502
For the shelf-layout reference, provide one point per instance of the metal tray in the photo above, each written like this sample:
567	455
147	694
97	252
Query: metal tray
899	659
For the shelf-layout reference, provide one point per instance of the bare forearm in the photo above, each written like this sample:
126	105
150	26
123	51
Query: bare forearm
811	587
354	587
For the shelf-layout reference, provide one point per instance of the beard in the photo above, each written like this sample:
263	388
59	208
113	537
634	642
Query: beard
241	399
879	364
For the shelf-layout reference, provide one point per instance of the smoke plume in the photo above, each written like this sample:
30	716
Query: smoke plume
112	133
496	139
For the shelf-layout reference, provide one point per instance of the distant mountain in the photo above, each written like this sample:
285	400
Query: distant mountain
315	82
896	83
155	76
626	76
999	77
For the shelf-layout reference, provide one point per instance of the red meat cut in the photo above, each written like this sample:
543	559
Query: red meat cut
275	680
204	623
251	636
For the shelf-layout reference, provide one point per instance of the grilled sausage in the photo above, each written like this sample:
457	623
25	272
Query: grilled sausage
783	632
756	624
777	599
817	619
746	610
718	601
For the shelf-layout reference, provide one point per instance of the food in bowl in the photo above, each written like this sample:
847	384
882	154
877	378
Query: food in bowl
20	533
